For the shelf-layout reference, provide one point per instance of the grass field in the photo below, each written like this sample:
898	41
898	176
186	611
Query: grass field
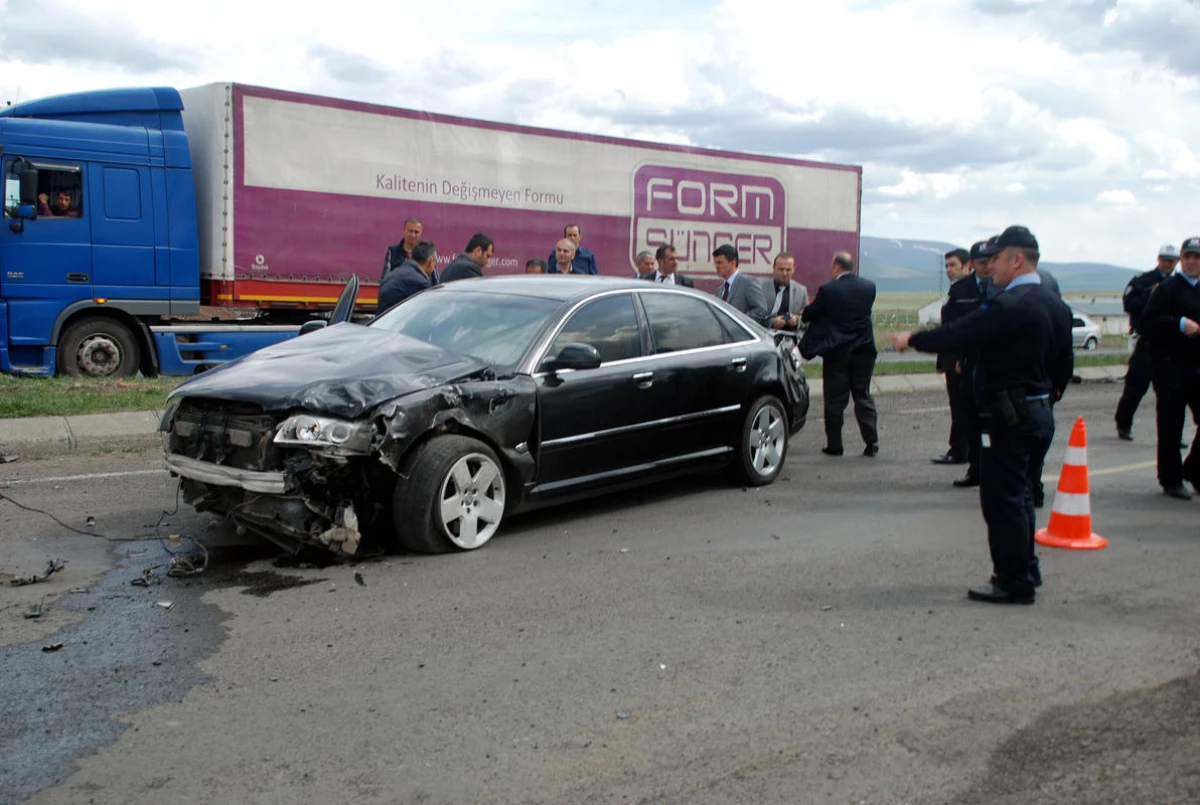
66	396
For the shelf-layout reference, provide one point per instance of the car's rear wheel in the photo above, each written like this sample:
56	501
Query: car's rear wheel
763	444
450	496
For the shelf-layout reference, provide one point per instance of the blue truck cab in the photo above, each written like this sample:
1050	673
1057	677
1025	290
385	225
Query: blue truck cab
99	234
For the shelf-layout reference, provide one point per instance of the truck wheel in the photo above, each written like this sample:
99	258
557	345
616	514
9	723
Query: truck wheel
450	496
98	347
762	446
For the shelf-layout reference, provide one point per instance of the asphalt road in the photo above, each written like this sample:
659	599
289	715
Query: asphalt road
693	643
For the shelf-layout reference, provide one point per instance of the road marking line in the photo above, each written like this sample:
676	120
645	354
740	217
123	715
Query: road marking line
1141	465
940	408
88	477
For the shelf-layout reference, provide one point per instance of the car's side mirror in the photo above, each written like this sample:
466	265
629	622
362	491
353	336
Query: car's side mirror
312	326
574	356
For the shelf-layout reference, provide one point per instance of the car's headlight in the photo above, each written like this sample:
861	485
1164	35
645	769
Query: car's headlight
306	430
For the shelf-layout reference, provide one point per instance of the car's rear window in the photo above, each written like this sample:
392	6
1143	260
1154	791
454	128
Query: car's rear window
495	328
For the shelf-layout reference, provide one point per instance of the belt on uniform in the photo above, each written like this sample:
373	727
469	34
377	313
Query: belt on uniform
1038	402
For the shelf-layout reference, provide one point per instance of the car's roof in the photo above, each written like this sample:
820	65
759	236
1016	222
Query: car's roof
559	287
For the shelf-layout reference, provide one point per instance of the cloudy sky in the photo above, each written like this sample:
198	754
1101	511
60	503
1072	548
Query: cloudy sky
1077	118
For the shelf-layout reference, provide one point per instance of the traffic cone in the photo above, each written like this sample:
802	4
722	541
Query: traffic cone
1071	515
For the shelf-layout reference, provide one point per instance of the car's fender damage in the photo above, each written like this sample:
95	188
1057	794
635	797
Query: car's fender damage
325	495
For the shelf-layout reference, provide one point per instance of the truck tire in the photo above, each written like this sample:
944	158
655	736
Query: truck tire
450	496
763	442
98	347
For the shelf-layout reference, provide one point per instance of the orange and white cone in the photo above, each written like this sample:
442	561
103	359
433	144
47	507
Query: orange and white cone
1071	515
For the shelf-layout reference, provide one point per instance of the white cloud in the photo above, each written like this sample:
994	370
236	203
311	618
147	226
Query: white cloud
1116	198
964	120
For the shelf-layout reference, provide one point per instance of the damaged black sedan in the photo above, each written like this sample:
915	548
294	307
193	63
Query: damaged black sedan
422	429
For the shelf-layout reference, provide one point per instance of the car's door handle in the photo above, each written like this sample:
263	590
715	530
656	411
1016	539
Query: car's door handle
739	364
644	379
78	278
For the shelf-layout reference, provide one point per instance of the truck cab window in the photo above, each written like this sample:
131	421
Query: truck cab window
60	192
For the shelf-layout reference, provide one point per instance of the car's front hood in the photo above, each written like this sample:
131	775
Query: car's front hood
344	370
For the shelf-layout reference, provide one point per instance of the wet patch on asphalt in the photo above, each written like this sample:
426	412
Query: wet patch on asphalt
135	647
1134	746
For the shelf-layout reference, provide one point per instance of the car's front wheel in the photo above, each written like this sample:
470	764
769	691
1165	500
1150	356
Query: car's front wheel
763	444
1091	344
450	496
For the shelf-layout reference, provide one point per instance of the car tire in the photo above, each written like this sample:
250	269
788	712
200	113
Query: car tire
762	444
1091	343
450	496
98	347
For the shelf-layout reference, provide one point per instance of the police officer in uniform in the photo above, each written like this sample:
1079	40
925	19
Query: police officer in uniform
1140	371
1023	338
1171	319
972	295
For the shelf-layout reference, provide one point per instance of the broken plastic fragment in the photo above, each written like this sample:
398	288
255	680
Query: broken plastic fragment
165	604
52	647
826	607
622	715
358	577
90	522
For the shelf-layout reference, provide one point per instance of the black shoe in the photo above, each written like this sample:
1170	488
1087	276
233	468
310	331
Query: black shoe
992	593
871	450
1177	492
1125	434
967	481
948	458
829	451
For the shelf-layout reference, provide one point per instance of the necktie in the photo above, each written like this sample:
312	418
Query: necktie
985	288
785	302
725	292
663	278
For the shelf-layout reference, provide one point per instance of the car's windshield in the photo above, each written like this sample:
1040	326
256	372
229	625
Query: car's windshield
495	328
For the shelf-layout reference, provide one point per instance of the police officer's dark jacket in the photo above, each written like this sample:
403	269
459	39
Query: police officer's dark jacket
1137	293
1172	300
1023	338
962	298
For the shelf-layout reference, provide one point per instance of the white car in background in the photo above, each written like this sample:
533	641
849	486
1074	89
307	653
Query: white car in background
1085	333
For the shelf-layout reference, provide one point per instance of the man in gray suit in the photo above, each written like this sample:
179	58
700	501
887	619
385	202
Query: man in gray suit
743	292
785	297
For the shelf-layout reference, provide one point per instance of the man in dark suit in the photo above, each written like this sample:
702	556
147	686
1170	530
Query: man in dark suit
472	261
786	298
839	319
740	291
666	273
961	299
414	275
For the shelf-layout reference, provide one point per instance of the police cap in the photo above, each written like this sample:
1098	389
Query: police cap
1190	245
977	251
1015	237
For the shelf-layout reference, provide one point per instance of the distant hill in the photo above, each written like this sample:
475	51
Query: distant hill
916	265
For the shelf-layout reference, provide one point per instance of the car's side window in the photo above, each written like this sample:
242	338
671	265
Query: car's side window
1077	322
609	324
680	322
734	332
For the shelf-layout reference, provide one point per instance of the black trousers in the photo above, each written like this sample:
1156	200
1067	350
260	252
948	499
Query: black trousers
844	377
968	414
958	436
1177	389
1138	377
1005	498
